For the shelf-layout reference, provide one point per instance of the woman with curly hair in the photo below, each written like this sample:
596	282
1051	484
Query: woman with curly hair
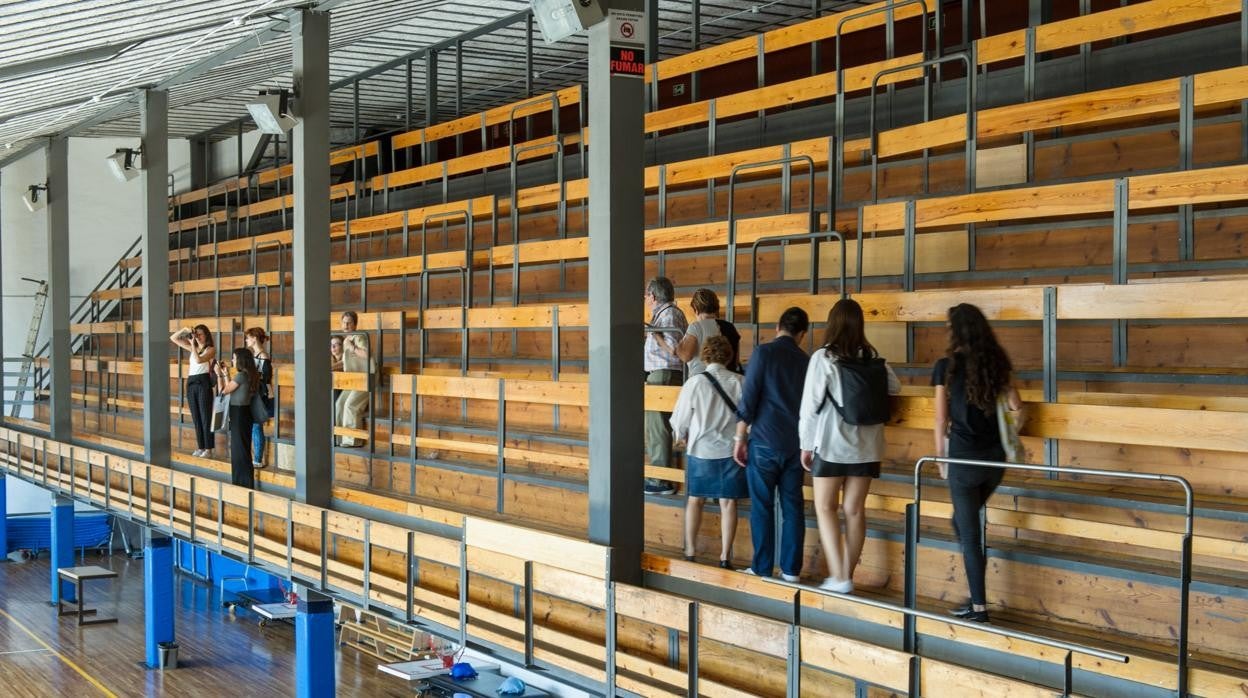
972	376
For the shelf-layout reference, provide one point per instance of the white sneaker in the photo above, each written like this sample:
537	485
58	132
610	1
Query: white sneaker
198	453
790	577
840	586
749	571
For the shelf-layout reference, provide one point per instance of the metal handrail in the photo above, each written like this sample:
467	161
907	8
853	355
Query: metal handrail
968	156
1070	648
281	276
835	178
813	237
469	228
1185	563
961	57
785	163
465	285
553	98
557	145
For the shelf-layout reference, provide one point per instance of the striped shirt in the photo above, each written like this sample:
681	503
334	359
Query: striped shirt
656	358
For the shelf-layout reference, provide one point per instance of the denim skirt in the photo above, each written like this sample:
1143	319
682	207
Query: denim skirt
717	478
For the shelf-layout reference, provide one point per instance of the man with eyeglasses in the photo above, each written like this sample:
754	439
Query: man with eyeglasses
663	367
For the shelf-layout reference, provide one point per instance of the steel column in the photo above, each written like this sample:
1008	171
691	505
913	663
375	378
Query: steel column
157	592
315	646
61	420
4	514
153	117
652	35
313	454
617	268
62	548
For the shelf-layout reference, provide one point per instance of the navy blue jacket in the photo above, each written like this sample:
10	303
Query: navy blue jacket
772	395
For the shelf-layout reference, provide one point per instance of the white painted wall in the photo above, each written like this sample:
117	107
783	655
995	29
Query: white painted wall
104	218
225	154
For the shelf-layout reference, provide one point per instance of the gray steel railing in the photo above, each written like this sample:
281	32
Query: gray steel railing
1185	564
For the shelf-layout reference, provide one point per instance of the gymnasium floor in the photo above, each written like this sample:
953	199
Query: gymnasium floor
43	655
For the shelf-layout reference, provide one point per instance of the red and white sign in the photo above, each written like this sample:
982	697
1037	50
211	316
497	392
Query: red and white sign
627	27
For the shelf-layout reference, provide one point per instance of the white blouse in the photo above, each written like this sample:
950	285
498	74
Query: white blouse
825	433
702	418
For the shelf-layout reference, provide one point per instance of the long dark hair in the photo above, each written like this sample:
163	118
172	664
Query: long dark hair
846	334
245	361
987	365
207	334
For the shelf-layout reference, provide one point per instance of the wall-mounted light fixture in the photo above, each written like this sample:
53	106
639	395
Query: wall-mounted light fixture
122	164
271	112
31	197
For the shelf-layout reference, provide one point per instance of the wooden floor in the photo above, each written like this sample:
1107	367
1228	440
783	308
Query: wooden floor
41	655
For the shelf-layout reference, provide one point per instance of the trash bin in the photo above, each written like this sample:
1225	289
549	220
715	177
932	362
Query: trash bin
168	655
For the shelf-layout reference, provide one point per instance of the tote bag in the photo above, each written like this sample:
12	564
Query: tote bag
1009	424
221	413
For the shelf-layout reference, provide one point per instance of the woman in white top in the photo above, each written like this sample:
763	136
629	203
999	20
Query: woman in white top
706	421
199	382
705	325
841	456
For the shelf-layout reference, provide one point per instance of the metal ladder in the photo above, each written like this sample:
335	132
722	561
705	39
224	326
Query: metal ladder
28	354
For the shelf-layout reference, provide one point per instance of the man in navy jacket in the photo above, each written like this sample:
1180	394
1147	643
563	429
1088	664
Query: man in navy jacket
770	453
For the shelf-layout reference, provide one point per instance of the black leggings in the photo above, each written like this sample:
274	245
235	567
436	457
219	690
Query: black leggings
240	446
970	487
199	395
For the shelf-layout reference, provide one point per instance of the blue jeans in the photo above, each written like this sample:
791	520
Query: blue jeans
771	470
257	442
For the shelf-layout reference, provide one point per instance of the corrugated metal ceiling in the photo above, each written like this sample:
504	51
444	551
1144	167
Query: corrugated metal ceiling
63	63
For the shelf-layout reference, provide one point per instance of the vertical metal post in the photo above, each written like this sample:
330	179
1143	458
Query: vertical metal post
153	117
695	623
910	630
1187	119
1122	210
652	35
407	113
158	591
1049	340
816	56
311	251
695	43
355	112
431	102
528	613
908	247
60	427
617	265
793	680
528	60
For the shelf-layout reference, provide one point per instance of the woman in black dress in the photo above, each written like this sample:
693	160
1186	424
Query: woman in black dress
246	382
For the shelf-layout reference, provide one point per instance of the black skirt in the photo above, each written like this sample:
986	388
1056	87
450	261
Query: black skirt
823	468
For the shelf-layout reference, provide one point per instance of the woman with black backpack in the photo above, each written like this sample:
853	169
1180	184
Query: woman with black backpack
841	426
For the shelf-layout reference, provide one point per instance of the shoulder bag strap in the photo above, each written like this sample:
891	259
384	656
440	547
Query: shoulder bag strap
720	389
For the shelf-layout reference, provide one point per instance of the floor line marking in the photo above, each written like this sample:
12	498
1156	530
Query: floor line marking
37	649
60	656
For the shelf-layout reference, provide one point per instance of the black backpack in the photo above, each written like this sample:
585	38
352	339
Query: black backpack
864	385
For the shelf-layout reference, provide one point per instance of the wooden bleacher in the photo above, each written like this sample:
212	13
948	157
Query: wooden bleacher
438	437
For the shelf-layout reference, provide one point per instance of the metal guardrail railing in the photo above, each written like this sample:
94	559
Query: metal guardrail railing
913	514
